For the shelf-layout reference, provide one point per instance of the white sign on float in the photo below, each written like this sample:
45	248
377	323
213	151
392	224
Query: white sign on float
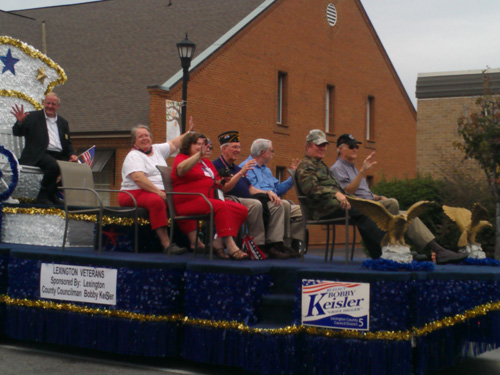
79	284
335	304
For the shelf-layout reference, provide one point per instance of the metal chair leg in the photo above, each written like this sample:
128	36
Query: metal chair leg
306	244
195	249
65	231
353	241
136	233
334	234
99	232
169	248
347	240
327	241
210	244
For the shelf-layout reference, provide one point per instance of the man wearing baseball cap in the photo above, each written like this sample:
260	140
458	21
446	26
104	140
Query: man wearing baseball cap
354	182
325	197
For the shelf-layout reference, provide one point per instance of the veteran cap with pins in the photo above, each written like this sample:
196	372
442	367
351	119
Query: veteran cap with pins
229	136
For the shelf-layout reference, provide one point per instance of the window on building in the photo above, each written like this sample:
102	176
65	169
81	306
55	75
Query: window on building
329	109
370	118
369	181
280	173
282	98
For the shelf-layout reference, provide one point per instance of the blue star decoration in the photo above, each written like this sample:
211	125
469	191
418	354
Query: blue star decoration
9	62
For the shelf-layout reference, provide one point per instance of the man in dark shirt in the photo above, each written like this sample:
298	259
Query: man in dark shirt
47	140
268	237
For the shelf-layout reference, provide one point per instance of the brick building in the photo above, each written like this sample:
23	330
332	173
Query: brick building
442	98
238	85
272	69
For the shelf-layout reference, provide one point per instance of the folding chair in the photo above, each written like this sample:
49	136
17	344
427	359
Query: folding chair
307	221
80	197
208	218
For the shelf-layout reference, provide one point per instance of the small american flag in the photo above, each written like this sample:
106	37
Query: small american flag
88	156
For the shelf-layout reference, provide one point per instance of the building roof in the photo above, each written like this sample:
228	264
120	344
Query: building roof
457	83
112	50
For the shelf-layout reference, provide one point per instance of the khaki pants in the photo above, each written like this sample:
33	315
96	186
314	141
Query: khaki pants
275	231
294	228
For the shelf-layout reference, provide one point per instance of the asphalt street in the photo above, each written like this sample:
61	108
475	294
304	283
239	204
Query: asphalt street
35	359
19	358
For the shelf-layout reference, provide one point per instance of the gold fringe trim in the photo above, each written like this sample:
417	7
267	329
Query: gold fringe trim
290	330
87	310
106	220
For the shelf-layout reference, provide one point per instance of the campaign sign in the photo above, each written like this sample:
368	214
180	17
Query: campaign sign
335	304
76	283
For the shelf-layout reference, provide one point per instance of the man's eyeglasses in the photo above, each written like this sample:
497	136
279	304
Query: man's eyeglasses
352	147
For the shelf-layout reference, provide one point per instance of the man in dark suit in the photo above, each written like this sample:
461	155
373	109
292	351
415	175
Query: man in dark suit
46	140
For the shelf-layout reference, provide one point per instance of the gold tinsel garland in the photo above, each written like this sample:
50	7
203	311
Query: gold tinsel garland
290	330
40	56
20	95
87	310
106	220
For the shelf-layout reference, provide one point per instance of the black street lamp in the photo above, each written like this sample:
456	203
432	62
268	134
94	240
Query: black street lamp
186	51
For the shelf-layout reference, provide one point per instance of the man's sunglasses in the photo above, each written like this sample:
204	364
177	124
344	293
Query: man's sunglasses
351	147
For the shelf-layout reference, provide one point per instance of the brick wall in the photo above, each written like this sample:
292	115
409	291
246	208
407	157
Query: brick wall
437	124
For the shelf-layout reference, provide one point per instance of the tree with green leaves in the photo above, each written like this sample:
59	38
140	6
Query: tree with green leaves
480	131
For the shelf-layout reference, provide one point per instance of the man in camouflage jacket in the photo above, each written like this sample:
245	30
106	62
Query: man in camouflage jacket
325	197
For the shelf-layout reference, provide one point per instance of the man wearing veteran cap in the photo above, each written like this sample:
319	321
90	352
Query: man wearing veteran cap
354	182
325	197
269	236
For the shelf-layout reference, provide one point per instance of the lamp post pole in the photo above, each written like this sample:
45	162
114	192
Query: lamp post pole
185	79
186	50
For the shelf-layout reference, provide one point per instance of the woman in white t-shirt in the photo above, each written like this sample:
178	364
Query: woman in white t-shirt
142	179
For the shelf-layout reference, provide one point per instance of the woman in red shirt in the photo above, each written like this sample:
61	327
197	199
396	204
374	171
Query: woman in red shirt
191	172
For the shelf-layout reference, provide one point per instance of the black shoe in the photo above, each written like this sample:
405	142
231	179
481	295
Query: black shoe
421	257
44	201
274	251
445	256
57	201
291	251
53	195
43	197
448	256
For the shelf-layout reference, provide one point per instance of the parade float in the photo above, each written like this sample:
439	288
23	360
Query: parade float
265	317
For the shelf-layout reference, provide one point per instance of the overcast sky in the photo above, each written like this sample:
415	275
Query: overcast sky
420	36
